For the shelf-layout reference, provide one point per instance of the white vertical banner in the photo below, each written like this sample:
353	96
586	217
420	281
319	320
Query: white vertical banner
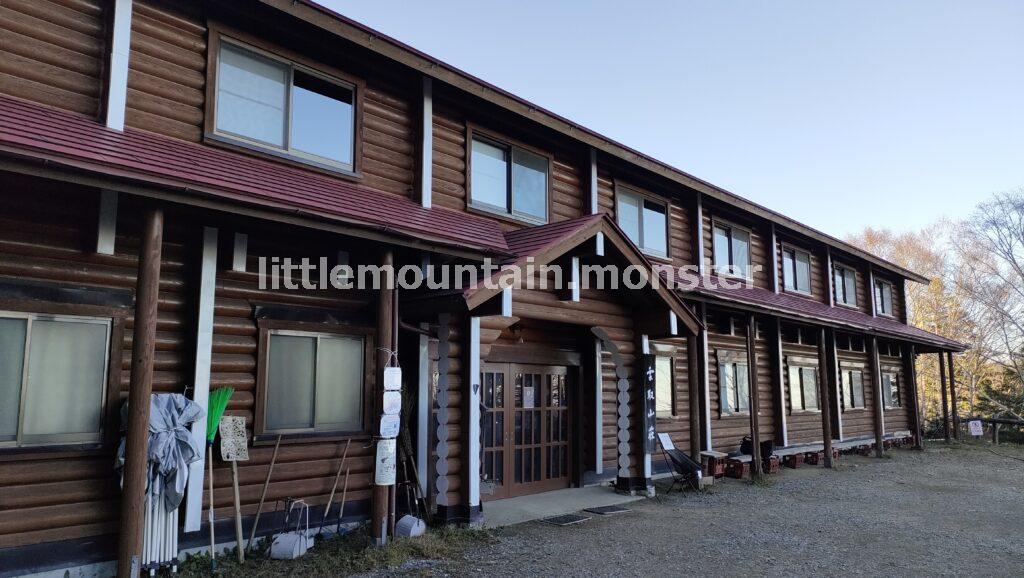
201	378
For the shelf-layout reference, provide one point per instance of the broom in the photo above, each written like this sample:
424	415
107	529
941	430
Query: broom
218	402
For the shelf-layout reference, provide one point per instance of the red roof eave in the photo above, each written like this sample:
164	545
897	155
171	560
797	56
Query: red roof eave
815	311
35	131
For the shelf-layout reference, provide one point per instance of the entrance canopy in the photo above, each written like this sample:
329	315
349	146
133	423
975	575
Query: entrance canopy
592	237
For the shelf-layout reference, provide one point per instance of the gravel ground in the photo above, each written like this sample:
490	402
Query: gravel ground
948	511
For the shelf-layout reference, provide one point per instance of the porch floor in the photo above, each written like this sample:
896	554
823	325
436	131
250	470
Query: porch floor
536	506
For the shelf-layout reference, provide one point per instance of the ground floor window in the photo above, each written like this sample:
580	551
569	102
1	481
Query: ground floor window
664	392
314	382
890	390
803	386
733	383
53	376
853	388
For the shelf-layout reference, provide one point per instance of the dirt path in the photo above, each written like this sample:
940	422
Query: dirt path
949	511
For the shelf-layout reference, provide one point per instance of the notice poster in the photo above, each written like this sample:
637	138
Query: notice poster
233	446
976	428
384	472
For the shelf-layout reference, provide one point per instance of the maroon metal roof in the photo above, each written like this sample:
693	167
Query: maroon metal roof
66	138
533	240
805	307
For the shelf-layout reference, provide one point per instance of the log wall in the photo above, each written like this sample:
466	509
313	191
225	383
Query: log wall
54	52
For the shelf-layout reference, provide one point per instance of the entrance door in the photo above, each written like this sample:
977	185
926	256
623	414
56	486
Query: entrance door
526	429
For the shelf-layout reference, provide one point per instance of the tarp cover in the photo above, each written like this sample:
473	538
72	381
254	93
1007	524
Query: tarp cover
171	448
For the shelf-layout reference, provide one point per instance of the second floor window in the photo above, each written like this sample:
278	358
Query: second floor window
796	270
731	250
845	284
509	180
883	297
644	221
803	386
275	105
853	388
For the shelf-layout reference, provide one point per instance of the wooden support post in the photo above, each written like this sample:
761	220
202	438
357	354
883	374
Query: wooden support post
147	294
879	405
757	466
836	410
910	370
379	498
825	385
693	381
778	381
952	397
945	402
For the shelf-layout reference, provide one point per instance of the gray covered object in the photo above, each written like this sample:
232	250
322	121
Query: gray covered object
171	448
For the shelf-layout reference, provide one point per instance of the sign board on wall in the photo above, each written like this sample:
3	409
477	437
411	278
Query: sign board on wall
649	409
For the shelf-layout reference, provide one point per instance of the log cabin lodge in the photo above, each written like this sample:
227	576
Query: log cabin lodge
153	151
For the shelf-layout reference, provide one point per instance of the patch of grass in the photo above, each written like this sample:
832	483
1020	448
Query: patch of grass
344	555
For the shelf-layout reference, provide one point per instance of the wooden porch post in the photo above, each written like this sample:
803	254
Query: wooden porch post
910	370
952	397
147	292
757	468
825	385
693	381
879	405
945	402
379	506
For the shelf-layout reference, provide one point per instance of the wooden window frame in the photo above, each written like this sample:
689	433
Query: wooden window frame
835	288
268	327
718	222
845	368
475	132
731	357
787	247
669	352
793	361
218	34
879	283
114	317
643	196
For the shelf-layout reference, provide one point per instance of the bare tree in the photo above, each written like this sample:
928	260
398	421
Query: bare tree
989	250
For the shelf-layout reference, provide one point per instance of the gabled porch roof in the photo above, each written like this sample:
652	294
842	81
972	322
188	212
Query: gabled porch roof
545	244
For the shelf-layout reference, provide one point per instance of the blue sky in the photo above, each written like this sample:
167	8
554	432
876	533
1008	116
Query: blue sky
825	111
